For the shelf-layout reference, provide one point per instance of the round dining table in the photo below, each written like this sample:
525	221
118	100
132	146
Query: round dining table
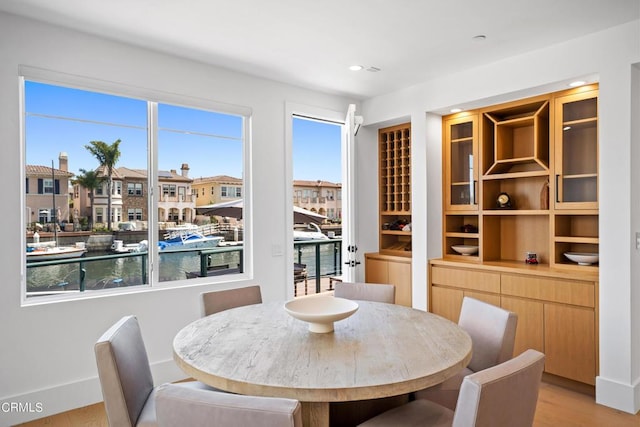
381	350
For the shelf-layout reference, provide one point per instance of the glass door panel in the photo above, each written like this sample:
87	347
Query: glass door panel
462	158
577	142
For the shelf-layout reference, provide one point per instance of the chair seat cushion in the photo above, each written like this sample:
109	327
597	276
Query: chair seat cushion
416	413
446	393
147	416
179	406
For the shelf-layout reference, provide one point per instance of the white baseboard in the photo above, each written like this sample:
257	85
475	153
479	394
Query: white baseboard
61	398
624	397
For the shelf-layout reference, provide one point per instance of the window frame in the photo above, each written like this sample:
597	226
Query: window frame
152	97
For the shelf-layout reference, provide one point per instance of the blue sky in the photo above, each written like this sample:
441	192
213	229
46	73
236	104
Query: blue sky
212	145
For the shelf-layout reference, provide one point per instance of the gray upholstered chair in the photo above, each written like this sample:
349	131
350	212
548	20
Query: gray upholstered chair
125	375
178	407
501	396
377	292
493	332
216	301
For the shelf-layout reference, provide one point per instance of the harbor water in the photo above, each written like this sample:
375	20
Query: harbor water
99	270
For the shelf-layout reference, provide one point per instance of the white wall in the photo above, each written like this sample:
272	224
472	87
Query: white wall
47	350
610	56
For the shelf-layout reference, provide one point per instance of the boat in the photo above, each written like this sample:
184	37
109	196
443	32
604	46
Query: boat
180	229
119	247
48	251
185	240
189	240
309	231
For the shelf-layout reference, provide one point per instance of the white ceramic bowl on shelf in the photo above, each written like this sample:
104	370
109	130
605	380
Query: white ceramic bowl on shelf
465	249
321	312
583	258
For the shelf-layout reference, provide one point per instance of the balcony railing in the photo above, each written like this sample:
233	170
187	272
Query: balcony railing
321	258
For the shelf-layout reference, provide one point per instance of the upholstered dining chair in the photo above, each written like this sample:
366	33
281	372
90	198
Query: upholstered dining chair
501	396
376	292
179	406
216	301
493	333
125	375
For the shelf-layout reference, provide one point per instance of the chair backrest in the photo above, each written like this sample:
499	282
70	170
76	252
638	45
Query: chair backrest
123	369
504	395
492	330
216	301
180	406
377	292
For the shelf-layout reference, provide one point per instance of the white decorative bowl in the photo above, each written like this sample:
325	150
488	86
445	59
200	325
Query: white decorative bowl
321	312
583	258
465	249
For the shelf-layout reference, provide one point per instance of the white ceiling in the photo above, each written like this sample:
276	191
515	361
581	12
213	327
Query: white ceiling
311	43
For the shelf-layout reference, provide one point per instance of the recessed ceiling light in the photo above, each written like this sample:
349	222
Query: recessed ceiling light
356	67
577	83
479	38
456	110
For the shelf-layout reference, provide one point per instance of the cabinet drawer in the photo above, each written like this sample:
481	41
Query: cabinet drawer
556	290
484	281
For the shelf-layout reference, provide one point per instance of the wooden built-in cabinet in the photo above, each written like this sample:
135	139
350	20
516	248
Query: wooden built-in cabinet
557	309
380	268
394	166
542	152
392	264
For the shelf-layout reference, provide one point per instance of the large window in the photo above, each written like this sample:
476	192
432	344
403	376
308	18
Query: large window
134	189
135	214
110	232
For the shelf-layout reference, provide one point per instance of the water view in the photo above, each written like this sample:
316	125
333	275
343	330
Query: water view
102	270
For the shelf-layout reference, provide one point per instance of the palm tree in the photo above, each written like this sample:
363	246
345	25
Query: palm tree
107	155
90	180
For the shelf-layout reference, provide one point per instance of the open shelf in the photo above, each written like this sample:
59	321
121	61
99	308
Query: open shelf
520	135
576	226
528	192
562	261
511	237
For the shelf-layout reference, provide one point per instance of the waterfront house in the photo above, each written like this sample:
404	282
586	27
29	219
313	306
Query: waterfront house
216	189
176	203
47	355
130	199
45	185
319	196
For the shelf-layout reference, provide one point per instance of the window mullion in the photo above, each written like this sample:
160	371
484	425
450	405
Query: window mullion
152	208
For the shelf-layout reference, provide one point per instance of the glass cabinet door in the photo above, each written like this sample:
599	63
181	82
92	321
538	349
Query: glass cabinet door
576	185
461	163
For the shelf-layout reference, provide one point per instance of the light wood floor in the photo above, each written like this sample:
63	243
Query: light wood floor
557	407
